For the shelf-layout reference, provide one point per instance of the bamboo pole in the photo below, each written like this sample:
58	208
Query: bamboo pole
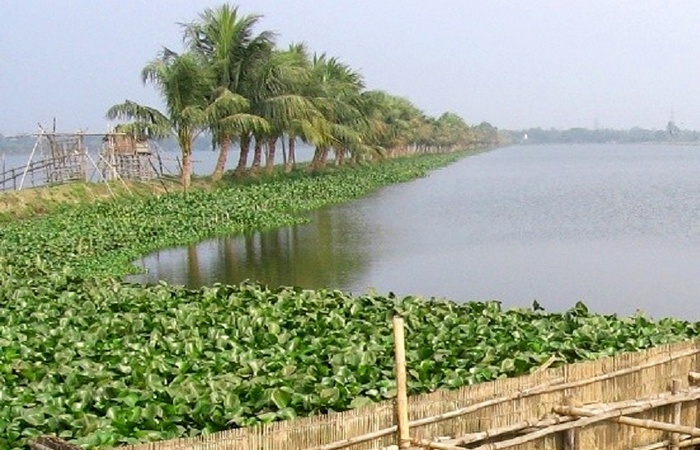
358	439
482	435
488	434
404	440
654	446
541	389
600	417
546	365
641	423
431	444
689	442
693	377
26	168
570	435
675	437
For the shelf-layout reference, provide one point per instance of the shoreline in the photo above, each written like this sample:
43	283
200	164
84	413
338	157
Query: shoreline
101	237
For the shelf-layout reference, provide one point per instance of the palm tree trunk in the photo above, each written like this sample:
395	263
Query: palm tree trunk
316	160
340	156
292	158
243	159
284	152
324	157
257	156
186	149
224	146
271	150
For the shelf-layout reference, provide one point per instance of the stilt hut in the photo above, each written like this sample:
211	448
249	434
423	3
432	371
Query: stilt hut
128	157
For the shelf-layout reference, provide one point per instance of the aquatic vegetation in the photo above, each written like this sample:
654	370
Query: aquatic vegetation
105	362
101	362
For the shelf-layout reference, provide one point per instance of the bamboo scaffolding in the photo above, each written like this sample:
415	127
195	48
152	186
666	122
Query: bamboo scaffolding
642	423
675	437
404	440
654	446
539	423
685	442
489	434
599	417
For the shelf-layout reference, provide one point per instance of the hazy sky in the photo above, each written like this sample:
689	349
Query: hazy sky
516	64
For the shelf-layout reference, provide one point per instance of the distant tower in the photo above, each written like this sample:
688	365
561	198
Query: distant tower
671	128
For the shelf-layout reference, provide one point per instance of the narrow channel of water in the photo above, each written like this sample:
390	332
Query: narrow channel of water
617	227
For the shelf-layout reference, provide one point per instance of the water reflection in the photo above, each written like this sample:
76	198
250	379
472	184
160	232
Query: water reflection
312	255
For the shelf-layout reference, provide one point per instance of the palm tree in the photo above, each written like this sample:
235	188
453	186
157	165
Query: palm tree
183	84
186	89
402	122
337	97
225	40
282	98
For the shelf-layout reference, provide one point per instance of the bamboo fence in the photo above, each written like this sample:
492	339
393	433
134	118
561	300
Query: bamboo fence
593	399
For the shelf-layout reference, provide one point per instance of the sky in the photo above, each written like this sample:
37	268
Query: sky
548	63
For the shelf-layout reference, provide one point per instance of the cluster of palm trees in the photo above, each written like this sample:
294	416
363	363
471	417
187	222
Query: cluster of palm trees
240	87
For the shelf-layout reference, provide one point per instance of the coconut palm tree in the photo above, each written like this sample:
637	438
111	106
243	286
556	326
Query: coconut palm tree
283	99
185	86
226	41
337	96
273	89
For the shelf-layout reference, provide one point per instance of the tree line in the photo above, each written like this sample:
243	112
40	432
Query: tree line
236	84
671	134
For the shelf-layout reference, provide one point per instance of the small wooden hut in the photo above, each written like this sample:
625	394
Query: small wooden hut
128	157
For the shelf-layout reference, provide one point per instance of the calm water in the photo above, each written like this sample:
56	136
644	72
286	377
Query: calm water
615	226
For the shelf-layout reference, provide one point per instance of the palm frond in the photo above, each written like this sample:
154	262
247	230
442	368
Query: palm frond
236	124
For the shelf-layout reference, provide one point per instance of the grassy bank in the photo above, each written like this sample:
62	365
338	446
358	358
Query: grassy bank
37	202
100	362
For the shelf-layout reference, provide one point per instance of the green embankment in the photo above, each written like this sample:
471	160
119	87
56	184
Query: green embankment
101	362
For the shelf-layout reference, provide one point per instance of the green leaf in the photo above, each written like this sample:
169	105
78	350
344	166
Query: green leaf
359	402
281	398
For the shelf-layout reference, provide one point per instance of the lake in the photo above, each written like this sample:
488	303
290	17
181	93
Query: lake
615	226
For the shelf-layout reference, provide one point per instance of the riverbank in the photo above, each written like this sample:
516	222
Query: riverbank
102	238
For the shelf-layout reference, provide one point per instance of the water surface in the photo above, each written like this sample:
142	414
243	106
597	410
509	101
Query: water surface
617	227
